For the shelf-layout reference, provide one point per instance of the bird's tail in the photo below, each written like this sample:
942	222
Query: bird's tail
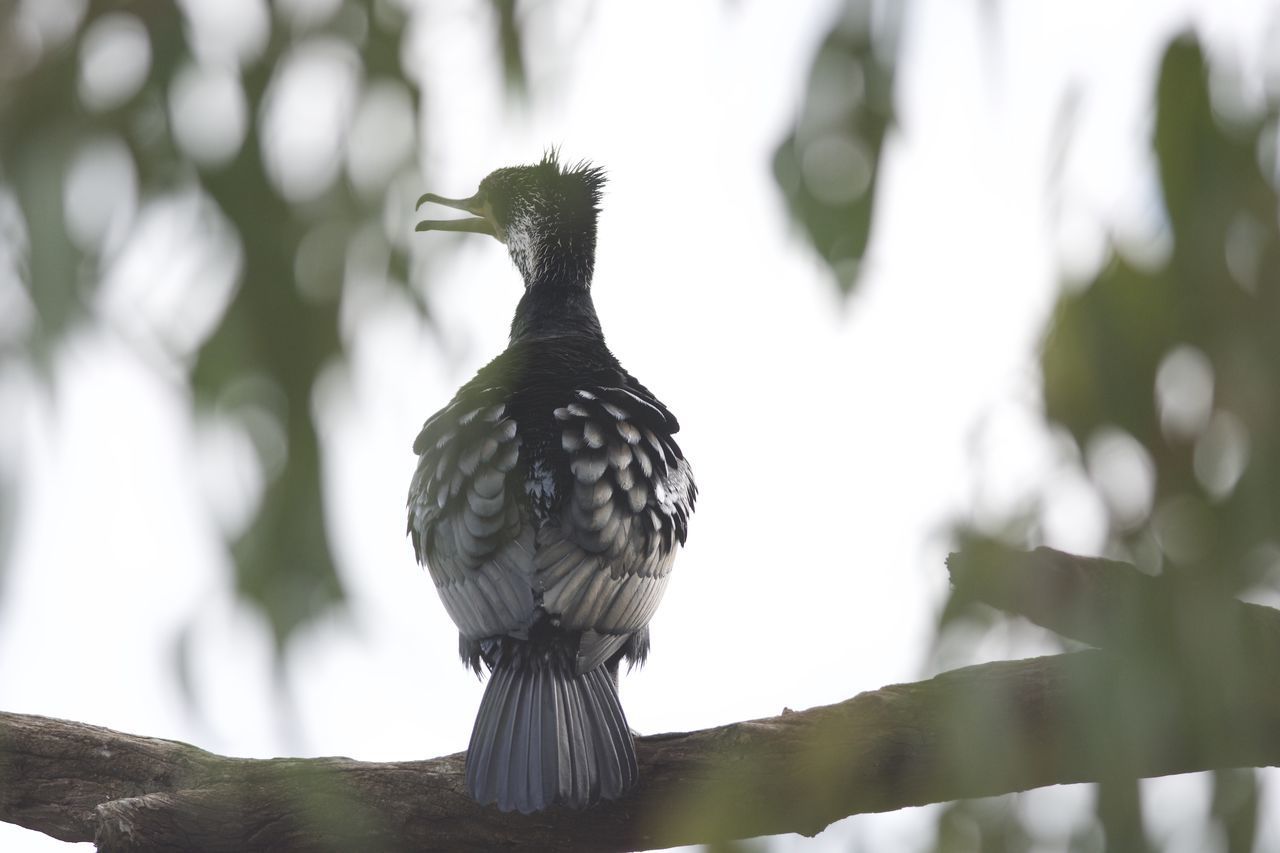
545	734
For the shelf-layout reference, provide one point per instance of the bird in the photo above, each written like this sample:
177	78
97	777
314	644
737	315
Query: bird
548	503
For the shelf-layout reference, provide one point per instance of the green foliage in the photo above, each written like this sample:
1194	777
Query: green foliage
981	825
829	165
1172	368
1184	356
279	331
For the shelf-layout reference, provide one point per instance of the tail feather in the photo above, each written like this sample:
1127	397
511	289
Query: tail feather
546	735
480	753
577	748
611	764
522	731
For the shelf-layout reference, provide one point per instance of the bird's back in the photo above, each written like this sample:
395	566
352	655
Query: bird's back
548	503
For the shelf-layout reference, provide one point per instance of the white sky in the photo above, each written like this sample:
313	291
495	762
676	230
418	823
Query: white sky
832	442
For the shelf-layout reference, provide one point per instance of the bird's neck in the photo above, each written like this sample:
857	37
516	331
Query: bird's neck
557	287
551	309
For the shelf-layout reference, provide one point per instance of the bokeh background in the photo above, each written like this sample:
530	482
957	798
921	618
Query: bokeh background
907	272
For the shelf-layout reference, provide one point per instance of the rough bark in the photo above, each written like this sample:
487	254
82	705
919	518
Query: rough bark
972	732
1107	603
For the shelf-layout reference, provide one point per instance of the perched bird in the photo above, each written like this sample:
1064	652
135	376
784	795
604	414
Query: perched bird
548	502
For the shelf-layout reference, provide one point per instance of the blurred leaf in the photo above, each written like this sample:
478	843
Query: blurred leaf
829	165
277	332
1104	350
1235	807
1120	813
1120	350
988	825
510	45
1176	362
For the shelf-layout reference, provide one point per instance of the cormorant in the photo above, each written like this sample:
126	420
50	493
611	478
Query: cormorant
548	502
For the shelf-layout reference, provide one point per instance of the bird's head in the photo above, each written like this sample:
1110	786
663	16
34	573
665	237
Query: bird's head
545	214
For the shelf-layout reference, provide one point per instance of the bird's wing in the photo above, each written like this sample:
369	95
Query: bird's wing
604	567
465	518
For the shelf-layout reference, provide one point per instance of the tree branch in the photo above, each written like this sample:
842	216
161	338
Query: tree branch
972	732
1147	706
1108	603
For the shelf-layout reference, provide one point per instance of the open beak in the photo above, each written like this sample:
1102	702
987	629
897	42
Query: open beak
479	225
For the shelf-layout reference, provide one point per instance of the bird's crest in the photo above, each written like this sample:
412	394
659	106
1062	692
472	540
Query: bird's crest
583	173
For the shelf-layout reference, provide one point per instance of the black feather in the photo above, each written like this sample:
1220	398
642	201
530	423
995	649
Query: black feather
545	735
549	498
